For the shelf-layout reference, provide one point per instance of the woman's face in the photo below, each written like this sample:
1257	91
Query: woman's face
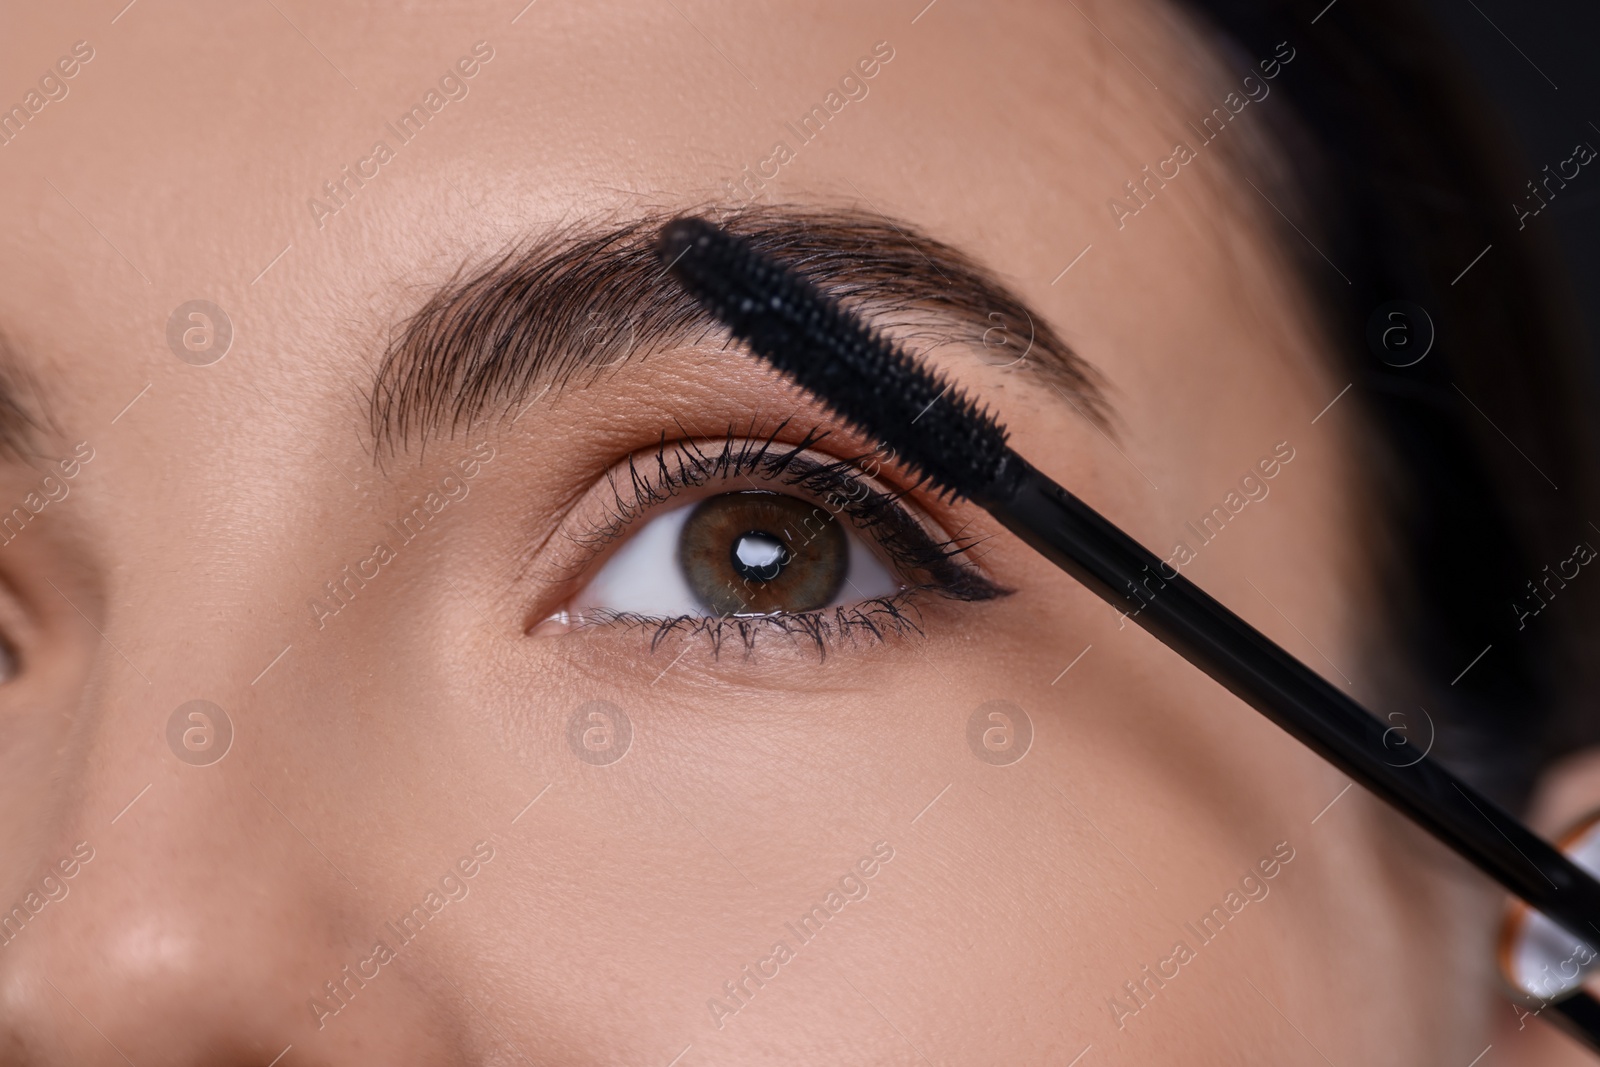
894	826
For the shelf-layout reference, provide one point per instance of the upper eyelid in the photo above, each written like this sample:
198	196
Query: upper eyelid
629	511
648	491
680	465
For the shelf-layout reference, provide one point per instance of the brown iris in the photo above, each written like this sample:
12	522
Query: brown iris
759	553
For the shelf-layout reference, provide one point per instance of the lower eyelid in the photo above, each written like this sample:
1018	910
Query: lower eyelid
876	620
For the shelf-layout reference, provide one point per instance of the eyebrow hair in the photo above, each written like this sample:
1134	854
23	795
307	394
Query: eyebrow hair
592	295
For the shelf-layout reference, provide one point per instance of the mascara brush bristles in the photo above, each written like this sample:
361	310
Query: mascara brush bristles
932	427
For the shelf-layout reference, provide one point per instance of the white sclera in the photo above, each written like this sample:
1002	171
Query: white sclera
1544	960
643	577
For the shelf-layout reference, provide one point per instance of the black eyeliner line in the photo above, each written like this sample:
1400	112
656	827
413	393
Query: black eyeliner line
874	385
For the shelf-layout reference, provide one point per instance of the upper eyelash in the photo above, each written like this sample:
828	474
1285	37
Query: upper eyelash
682	464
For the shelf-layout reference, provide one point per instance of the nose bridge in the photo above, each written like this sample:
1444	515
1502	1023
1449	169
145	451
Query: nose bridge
190	901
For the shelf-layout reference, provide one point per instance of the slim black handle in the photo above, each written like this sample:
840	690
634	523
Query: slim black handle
1188	620
1579	1017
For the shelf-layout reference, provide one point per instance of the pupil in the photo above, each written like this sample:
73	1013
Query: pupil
759	556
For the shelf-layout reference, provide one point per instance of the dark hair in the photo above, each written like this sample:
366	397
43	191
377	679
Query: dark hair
1487	464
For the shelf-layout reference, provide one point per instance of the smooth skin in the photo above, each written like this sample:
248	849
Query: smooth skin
399	742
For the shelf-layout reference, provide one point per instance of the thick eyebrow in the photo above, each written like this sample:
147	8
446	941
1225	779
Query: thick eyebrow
590	296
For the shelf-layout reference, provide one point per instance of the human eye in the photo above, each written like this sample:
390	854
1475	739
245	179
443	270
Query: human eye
748	552
741	537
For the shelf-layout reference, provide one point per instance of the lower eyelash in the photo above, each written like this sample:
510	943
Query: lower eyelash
876	619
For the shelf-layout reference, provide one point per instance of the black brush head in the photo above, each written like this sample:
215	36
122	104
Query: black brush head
865	378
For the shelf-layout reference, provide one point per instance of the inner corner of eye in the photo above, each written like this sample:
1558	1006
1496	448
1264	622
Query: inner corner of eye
753	552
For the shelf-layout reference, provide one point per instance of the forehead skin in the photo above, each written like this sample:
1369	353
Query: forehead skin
371	753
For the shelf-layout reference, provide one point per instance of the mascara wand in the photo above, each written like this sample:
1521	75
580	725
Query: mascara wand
939	433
